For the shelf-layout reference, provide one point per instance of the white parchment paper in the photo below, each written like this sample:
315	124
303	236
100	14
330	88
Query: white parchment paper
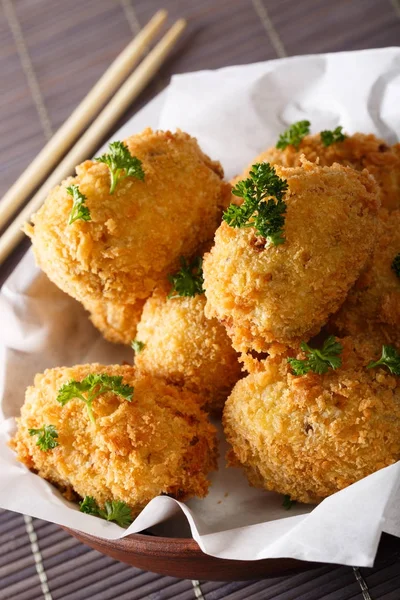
235	113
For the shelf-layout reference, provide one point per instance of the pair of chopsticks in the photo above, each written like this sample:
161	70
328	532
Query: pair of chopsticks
78	121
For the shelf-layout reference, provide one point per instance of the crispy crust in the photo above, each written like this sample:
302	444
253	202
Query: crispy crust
372	306
161	442
286	293
359	151
184	347
116	321
313	435
137	234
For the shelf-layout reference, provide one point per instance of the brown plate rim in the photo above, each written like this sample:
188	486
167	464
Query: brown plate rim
183	557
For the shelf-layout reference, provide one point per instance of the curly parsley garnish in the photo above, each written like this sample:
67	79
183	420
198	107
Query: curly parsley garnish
318	361
114	510
47	437
121	164
137	346
91	387
263	206
396	265
293	135
188	281
288	502
89	506
79	209
331	137
390	358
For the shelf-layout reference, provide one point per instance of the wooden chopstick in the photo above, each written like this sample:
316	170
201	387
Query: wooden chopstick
91	139
79	119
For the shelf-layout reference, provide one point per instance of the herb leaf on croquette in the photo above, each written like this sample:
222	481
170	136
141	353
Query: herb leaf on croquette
46	437
331	137
121	164
318	361
137	346
188	281
293	135
259	208
390	358
79	209
114	510
93	386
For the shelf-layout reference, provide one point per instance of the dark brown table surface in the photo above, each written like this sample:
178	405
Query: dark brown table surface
51	54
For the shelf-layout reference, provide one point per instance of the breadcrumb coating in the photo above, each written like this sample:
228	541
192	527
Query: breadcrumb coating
265	294
159	443
184	347
310	436
359	151
372	306
136	235
116	321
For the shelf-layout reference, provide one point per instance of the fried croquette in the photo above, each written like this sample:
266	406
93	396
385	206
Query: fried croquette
359	151
372	306
116	321
136	235
285	293
185	348
158	443
310	436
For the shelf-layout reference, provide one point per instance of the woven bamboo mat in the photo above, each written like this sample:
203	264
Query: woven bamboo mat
51	53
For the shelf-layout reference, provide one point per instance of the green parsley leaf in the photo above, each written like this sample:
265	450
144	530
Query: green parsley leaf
79	210
269	221
331	137
288	502
299	366
137	346
396	265
390	358
47	437
114	510
91	387
89	506
318	361
263	206
263	182
188	281
236	216
117	511
293	135
121	164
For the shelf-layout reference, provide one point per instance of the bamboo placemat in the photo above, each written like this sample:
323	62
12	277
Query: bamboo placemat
51	54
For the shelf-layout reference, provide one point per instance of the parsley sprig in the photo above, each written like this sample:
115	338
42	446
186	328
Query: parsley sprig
293	135
318	361
121	164
47	437
114	510
79	209
137	346
288	502
89	506
188	281
91	387
331	137
390	358
263	205
396	265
